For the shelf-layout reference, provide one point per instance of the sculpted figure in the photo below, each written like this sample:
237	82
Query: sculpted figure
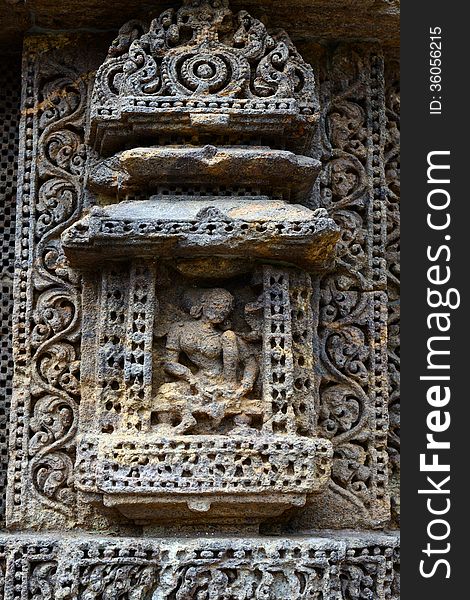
220	369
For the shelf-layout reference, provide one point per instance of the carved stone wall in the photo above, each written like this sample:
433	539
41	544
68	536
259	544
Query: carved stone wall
353	299
221	568
392	174
10	90
206	315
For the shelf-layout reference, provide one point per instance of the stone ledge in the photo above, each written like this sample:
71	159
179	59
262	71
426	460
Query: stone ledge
261	167
321	19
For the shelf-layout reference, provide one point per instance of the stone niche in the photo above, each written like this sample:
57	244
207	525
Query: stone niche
198	245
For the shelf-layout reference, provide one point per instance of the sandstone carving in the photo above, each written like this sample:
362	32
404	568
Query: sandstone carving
222	568
241	399
215	387
206	313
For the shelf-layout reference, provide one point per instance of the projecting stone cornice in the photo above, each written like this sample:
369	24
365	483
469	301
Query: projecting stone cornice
320	19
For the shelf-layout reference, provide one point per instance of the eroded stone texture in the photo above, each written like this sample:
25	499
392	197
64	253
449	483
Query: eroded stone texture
321	19
353	302
352	188
392	173
361	566
10	89
208	231
200	381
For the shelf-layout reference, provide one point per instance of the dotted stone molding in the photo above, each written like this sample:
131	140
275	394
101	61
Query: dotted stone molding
364	565
105	229
102	235
10	90
275	464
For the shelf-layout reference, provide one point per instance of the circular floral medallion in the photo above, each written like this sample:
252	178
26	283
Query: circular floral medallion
214	70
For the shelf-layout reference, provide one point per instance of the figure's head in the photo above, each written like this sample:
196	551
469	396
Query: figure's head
215	305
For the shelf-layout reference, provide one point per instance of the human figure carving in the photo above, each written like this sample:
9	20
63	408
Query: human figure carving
222	367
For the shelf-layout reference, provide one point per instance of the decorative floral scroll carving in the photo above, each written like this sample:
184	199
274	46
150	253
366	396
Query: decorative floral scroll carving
42	581
51	421
354	568
392	174
56	314
352	185
28	569
57	97
203	49
353	392
346	413
56	203
133	582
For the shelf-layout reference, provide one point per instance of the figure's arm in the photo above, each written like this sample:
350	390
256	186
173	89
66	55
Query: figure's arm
250	374
175	368
250	367
171	362
230	356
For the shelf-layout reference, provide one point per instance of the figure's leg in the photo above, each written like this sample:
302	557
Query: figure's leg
174	398
187	421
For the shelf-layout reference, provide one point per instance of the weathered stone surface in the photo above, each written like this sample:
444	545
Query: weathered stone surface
392	173
352	196
10	90
206	309
353	311
202	71
327	566
290	175
120	359
321	20
237	232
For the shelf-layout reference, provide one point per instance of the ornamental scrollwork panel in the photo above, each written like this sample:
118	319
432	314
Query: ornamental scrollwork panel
353	406
392	173
352	332
48	293
353	181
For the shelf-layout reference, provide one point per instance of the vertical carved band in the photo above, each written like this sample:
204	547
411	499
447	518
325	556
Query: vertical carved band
306	400
138	355
277	352
353	411
112	346
47	292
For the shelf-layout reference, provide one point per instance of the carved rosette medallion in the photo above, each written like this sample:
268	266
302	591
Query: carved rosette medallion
198	376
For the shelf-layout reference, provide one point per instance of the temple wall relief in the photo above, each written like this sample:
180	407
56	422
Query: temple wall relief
205	323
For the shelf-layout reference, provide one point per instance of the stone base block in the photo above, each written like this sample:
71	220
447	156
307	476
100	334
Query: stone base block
203	478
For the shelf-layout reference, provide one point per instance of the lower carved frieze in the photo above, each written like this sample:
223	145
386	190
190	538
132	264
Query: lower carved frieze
333	566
